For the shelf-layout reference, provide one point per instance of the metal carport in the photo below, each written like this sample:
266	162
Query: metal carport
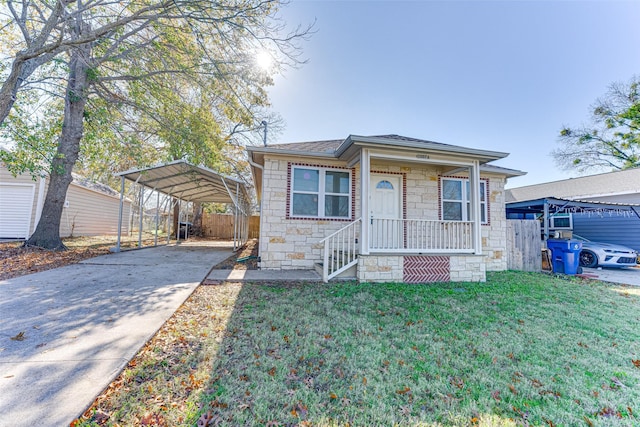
184	181
549	206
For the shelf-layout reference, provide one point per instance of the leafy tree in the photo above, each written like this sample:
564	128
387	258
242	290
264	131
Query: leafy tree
612	139
187	65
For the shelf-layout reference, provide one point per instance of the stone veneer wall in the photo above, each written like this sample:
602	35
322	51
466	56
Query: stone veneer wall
289	243
393	268
293	243
494	235
380	268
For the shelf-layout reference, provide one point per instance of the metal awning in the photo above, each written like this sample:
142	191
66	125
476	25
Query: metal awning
187	182
181	180
550	206
555	204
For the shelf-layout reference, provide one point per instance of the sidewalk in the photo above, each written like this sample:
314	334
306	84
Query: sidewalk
82	324
219	276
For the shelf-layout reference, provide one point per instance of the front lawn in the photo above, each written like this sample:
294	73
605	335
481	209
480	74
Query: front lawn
521	349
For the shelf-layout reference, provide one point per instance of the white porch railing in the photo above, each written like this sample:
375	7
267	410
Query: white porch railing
419	235
340	250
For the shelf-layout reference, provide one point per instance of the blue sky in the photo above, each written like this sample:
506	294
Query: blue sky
497	75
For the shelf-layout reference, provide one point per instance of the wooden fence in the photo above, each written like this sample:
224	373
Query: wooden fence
221	226
524	245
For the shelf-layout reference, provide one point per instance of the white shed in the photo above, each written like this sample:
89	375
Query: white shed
90	209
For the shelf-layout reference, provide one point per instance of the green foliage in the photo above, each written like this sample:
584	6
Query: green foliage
32	136
612	139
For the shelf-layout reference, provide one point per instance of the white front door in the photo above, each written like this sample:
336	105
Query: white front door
385	203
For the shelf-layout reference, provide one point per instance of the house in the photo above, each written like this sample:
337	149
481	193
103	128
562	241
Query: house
602	207
381	208
90	208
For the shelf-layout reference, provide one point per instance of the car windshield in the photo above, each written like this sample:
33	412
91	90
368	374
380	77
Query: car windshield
582	239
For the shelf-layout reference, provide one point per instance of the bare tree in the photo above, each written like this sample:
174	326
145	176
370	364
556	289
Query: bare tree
135	53
612	138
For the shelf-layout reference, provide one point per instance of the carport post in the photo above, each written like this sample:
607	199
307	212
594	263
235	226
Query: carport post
120	209
235	221
140	213
155	242
179	219
545	217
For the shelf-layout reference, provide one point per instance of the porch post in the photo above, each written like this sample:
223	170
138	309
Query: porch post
474	199
365	171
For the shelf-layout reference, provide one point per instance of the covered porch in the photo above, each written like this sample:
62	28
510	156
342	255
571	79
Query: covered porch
415	209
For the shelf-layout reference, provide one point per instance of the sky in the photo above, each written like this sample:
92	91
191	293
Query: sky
495	75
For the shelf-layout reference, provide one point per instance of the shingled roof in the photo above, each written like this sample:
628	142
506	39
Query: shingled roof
592	187
331	145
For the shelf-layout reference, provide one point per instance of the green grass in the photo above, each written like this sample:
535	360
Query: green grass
520	349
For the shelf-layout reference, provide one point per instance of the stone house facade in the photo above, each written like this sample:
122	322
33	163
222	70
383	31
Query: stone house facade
422	223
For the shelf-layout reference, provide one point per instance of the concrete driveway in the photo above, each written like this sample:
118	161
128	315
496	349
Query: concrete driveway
625	276
82	324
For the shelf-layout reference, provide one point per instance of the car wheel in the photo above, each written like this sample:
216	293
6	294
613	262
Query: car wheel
588	259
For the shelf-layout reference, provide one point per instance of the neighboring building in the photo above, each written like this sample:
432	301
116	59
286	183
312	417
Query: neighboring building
418	222
603	224
90	209
612	187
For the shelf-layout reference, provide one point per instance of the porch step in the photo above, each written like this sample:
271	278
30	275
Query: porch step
347	275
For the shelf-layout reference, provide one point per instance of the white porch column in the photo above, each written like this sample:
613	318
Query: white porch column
365	171
474	199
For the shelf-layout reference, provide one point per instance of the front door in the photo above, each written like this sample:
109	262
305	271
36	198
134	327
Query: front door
385	203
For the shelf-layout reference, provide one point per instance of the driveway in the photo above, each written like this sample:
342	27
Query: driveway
625	276
82	324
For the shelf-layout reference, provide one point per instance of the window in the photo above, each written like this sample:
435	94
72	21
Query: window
320	192
456	205
385	185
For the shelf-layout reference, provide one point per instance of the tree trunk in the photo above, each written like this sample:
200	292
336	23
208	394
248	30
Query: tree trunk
197	220
176	217
47	234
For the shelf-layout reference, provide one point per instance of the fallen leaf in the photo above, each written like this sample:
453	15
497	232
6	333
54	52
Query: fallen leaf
513	389
496	395
272	371
19	337
588	421
636	363
404	390
536	383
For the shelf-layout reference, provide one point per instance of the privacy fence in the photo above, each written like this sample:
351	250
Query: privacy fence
524	245
221	226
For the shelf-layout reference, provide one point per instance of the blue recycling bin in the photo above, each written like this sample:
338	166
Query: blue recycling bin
565	255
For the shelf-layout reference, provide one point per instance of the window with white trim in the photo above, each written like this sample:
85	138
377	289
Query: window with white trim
456	204
318	192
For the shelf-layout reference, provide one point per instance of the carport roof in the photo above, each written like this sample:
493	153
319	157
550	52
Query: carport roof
557	204
188	182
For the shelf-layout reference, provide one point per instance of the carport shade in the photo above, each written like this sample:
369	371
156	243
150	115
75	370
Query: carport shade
191	183
549	206
188	182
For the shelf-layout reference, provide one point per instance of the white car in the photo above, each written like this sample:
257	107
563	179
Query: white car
598	254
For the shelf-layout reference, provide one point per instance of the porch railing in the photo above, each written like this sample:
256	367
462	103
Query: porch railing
340	250
419	235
